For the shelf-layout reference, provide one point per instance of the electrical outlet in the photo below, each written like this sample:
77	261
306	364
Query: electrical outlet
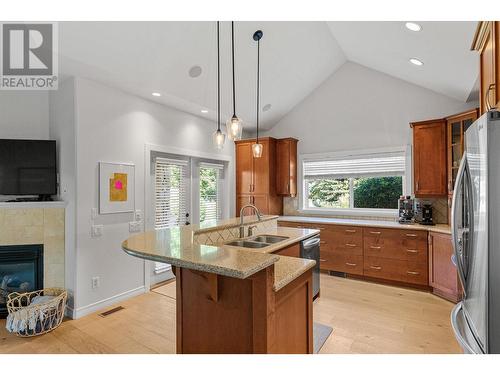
96	230
138	215
134	226
95	282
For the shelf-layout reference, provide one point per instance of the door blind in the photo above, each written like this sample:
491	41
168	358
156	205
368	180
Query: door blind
388	164
210	191
171	178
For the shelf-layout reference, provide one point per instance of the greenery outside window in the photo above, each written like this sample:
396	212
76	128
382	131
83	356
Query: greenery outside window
368	182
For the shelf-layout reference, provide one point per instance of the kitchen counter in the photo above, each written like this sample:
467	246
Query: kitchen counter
248	298
438	228
175	246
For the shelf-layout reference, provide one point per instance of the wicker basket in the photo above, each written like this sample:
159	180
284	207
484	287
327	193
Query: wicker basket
49	315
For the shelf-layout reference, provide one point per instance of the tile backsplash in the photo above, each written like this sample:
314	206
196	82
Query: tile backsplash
439	211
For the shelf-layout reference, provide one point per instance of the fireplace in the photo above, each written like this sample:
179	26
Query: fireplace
21	270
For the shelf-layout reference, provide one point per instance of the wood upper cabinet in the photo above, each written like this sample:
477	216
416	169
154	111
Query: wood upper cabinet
255	177
429	158
286	167
487	43
456	126
443	276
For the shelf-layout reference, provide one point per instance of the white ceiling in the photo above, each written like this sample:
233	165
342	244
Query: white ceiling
450	68
296	57
146	57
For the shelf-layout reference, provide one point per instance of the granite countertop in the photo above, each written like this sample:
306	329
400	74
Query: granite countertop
176	247
438	228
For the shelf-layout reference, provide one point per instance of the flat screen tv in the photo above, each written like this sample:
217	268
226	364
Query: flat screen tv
28	167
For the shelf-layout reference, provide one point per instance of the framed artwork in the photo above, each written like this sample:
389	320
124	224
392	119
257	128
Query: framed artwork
116	188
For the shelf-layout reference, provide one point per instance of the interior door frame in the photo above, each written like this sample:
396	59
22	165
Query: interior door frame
148	187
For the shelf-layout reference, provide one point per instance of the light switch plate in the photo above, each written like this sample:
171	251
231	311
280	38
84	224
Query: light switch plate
96	230
94	213
134	226
138	215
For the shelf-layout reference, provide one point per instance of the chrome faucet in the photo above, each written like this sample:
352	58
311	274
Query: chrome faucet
242	228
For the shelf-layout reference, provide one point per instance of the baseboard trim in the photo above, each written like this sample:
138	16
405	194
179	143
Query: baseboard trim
99	305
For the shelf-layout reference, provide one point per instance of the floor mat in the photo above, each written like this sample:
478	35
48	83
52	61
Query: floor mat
320	335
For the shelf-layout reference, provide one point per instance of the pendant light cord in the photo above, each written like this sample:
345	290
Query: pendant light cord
232	48
218	79
258	87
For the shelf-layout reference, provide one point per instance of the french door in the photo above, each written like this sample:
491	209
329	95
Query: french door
186	190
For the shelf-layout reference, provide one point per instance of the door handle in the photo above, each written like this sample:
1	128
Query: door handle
374	232
351	264
411	251
413	273
351	244
411	235
454	224
375	247
376	267
350	230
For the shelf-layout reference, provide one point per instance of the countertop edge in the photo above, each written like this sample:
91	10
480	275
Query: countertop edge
438	228
205	267
290	276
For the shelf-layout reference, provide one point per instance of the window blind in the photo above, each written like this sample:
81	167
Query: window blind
171	177
388	164
210	191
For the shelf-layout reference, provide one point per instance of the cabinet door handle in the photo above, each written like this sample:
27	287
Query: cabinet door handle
418	184
320	228
374	232
322	260
322	242
375	247
351	264
487	97
411	251
351	244
411	235
350	230
288	187
412	273
376	267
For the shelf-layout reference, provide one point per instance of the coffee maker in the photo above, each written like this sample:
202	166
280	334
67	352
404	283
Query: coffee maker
405	208
423	213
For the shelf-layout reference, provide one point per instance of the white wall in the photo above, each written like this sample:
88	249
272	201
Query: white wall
359	108
114	126
62	129
24	114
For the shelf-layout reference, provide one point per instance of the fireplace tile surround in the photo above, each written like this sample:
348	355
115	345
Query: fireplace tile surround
39	225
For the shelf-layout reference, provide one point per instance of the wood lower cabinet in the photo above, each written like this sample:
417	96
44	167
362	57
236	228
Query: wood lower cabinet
443	276
395	255
429	158
290	251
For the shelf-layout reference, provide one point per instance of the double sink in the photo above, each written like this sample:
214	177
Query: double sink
257	242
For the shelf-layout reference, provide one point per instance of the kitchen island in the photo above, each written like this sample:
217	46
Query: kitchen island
232	299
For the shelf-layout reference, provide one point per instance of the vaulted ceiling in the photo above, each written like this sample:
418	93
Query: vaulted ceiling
296	57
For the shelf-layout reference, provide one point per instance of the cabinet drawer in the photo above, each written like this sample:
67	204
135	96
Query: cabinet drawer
331	261
395	244
395	269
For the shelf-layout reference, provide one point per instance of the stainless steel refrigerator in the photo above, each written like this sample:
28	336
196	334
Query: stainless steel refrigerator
476	238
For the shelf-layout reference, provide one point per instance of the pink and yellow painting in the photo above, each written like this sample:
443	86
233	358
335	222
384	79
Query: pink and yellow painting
118	187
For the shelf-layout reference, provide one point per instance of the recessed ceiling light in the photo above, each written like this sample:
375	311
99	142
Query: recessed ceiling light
413	26
416	62
266	108
204	111
156	94
195	71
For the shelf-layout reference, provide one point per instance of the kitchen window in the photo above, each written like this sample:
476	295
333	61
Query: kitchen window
356	183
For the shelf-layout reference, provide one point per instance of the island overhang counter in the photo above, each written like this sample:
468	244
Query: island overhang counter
235	300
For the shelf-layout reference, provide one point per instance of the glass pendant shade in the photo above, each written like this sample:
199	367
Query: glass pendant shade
257	150
218	139
234	128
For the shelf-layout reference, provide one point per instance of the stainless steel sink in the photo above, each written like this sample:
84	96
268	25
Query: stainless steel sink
248	244
269	239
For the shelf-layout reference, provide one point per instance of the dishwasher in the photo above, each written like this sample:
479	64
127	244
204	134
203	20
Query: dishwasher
309	249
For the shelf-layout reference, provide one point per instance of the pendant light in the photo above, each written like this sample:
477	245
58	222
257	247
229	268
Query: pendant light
218	137
234	125
257	147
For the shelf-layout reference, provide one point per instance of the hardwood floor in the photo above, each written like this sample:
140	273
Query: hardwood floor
366	318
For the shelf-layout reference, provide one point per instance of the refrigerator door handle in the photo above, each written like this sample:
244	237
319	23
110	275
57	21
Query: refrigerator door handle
455	233
464	343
